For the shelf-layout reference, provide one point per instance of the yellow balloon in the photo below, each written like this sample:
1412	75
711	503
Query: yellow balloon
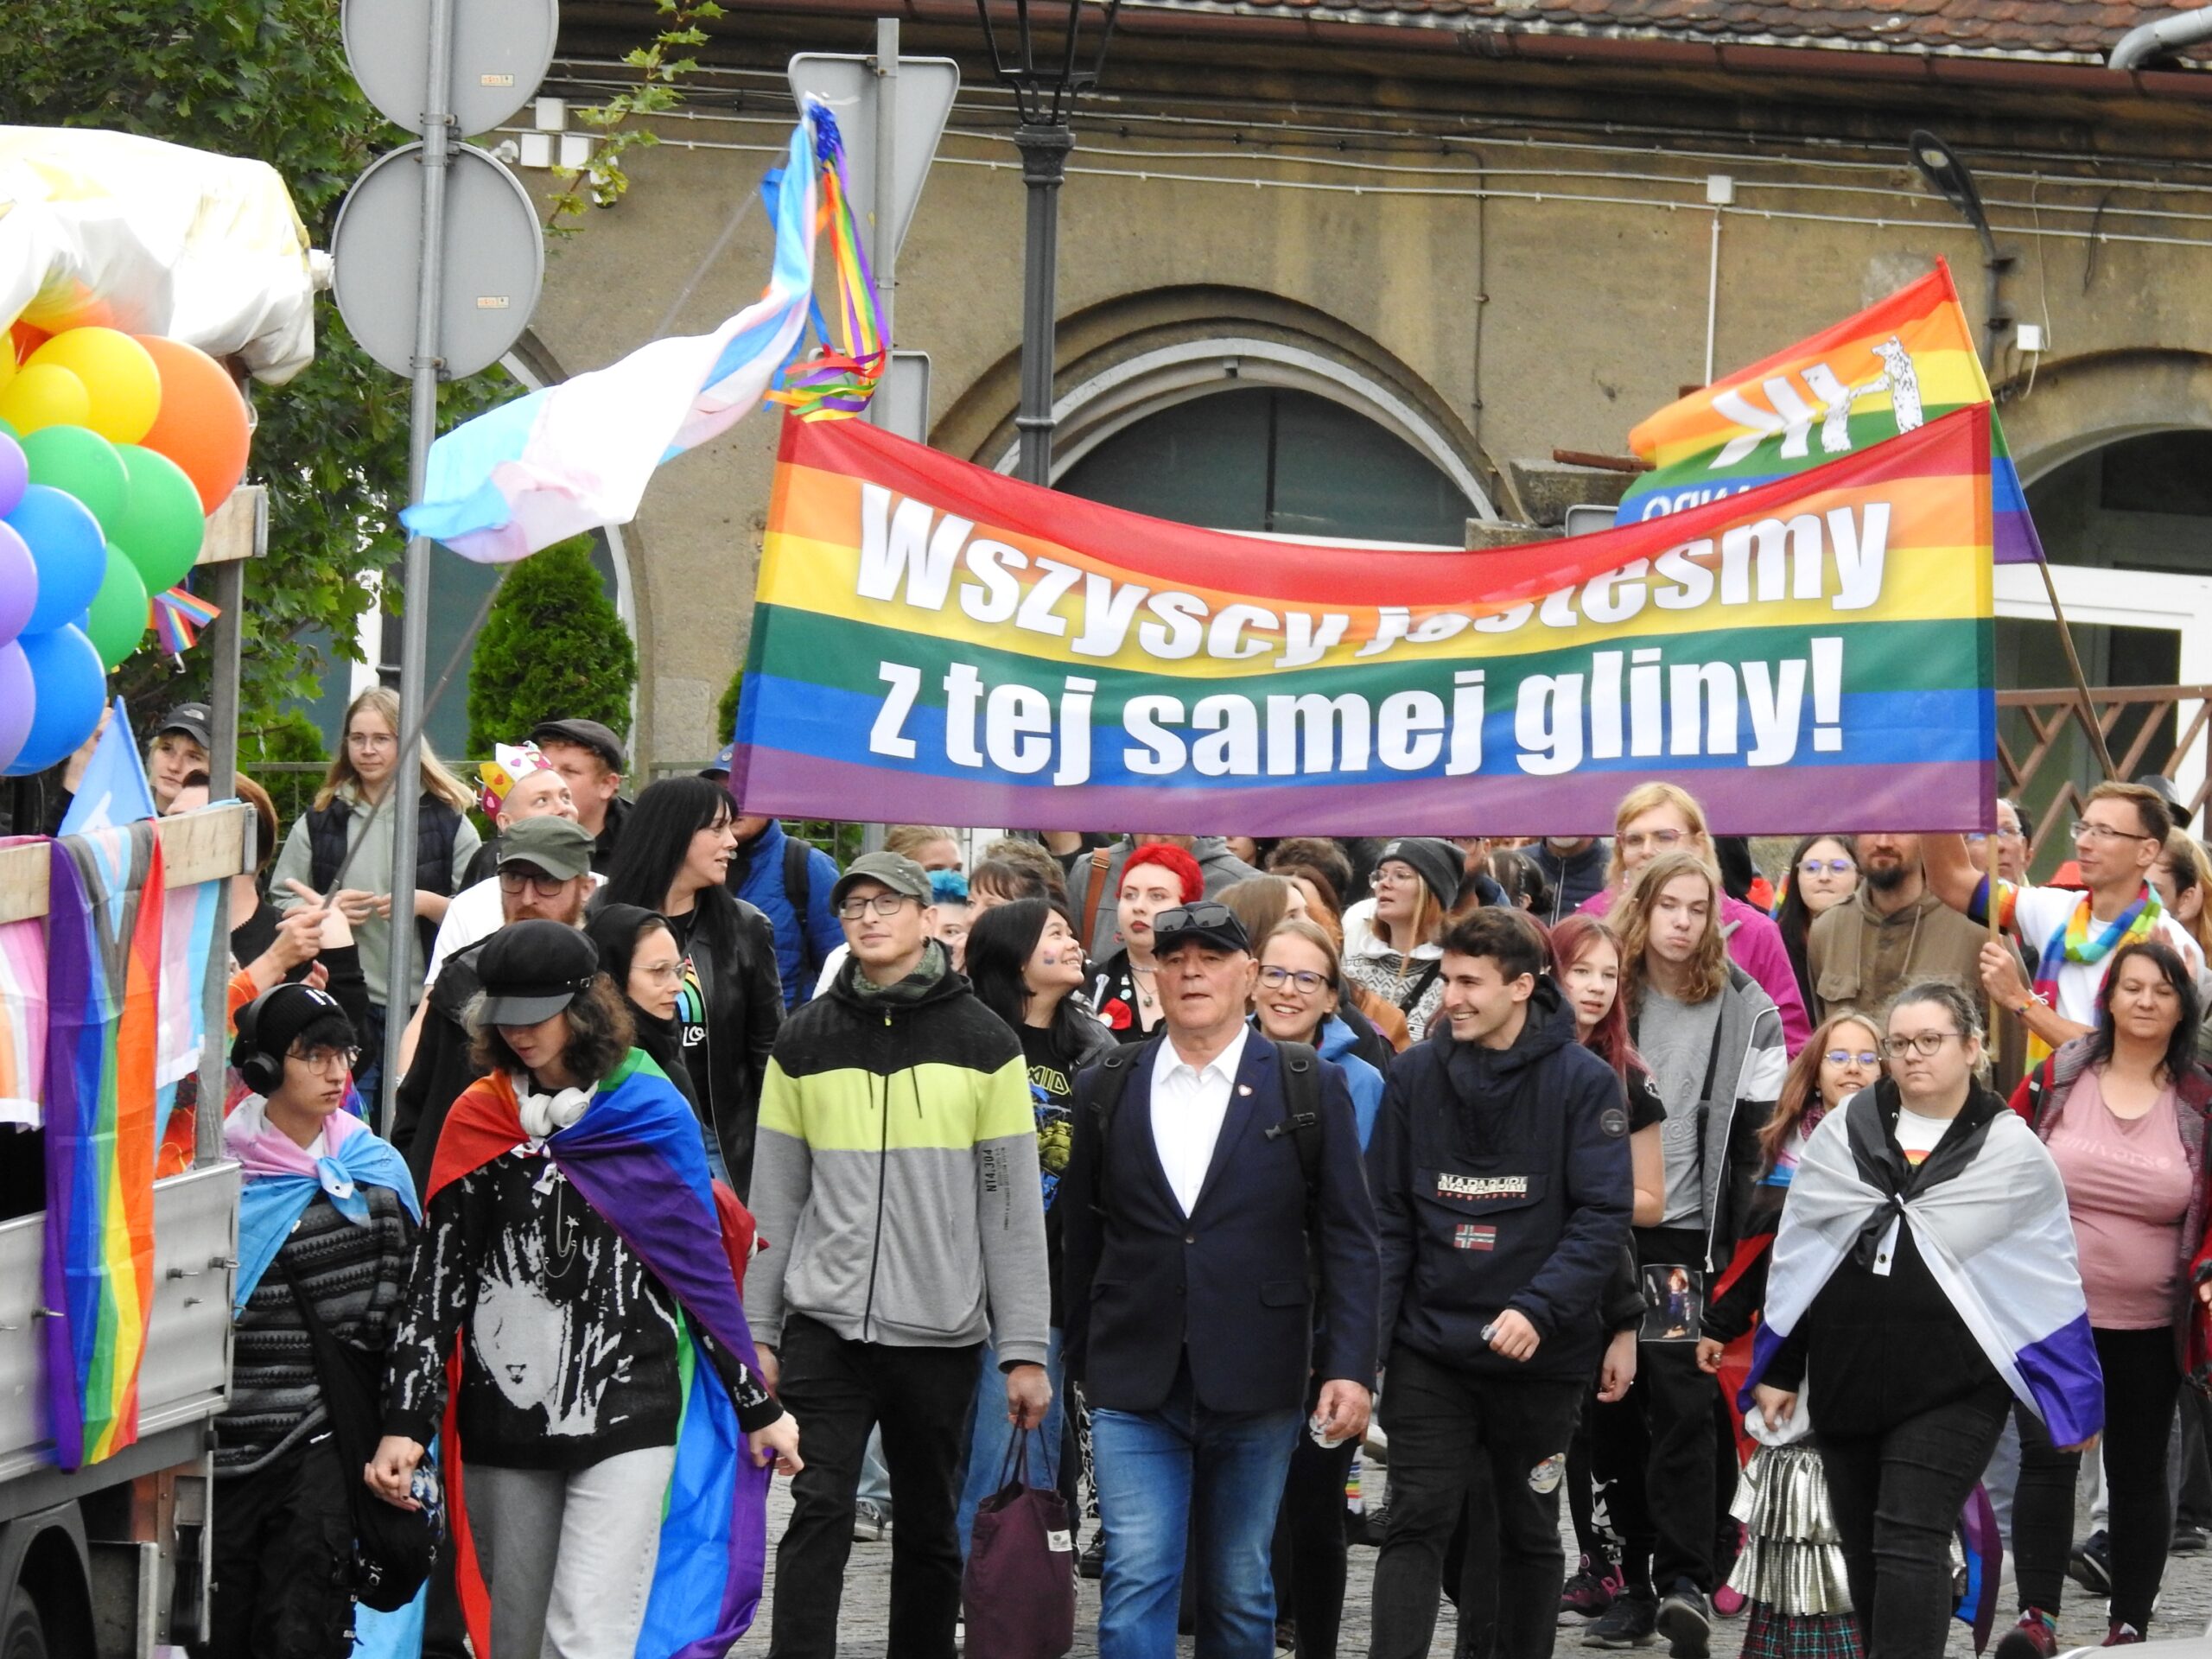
119	376
7	360
44	394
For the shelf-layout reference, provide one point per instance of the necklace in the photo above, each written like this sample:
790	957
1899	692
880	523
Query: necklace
1141	978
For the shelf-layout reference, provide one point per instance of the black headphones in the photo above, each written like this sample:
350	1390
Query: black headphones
261	1072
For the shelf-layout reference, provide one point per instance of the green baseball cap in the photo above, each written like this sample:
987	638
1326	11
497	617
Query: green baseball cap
556	846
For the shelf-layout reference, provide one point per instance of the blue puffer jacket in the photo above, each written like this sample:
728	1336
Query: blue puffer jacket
1337	1041
756	875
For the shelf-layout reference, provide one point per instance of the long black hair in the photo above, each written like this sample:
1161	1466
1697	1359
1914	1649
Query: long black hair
616	929
1792	916
1000	945
2181	1047
656	837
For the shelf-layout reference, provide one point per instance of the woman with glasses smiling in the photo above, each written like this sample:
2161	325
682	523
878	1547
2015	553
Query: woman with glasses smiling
2124	1112
638	952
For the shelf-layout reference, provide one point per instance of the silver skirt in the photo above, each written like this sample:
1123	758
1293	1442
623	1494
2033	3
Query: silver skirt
1792	1558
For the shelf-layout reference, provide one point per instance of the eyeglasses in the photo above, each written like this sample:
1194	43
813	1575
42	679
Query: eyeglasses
327	1059
1204	917
371	740
1866	1057
2084	830
547	886
661	973
1833	866
1926	1043
883	904
1658	840
1307	981
1388	877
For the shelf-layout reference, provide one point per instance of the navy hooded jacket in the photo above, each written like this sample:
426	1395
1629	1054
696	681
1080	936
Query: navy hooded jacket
1501	1180
806	929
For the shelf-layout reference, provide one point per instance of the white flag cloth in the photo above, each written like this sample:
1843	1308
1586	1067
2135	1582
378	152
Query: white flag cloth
1988	1213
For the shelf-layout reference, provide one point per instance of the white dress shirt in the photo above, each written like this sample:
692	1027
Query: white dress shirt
1187	1108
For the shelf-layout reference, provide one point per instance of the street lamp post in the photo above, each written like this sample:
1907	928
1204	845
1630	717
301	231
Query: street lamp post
1045	93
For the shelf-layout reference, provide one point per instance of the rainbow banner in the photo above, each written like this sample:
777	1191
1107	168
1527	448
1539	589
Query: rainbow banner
933	641
1893	367
104	962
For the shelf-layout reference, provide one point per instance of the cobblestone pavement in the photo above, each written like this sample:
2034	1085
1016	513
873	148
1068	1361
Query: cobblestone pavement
2184	1608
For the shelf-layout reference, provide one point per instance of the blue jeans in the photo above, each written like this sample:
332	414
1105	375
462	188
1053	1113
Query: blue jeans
1151	1467
990	1432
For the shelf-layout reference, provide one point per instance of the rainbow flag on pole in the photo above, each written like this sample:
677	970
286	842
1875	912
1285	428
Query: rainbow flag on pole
1892	368
104	964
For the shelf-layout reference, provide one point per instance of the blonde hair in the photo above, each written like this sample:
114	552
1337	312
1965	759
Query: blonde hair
1708	964
1427	927
908	839
384	701
2182	845
1646	797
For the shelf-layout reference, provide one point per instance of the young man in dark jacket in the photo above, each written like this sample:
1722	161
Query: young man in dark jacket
1499	1165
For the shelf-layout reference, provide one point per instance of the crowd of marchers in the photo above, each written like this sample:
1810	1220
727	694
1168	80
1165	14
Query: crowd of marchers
1603	1167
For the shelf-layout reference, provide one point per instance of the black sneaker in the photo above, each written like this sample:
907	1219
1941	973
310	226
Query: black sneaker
1628	1623
1686	1621
2189	1539
1092	1561
2090	1566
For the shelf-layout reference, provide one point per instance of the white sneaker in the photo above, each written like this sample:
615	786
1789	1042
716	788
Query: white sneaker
871	1521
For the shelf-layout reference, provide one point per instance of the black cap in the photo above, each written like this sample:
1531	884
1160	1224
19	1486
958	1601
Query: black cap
195	720
2178	807
1209	921
1438	862
585	734
531	970
272	1022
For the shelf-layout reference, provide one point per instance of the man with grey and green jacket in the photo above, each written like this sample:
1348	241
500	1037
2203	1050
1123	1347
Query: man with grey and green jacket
894	1177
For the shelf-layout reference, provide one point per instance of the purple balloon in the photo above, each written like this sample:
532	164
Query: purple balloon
14	473
18	586
18	701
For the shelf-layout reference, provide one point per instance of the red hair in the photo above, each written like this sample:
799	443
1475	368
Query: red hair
1177	862
1608	1039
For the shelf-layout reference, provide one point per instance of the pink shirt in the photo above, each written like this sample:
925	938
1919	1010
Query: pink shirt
2127	1187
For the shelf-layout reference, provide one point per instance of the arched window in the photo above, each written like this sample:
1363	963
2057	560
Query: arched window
1278	460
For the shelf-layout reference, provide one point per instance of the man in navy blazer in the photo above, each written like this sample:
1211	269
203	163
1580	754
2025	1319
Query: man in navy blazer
1212	1299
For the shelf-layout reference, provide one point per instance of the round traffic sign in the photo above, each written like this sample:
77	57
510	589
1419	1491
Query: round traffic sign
493	261
500	51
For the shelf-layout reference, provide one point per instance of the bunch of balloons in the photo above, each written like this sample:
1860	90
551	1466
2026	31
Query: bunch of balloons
113	450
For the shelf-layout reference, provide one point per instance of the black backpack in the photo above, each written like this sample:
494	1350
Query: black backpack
798	892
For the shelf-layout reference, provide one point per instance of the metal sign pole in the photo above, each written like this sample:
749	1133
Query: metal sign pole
400	975
883	243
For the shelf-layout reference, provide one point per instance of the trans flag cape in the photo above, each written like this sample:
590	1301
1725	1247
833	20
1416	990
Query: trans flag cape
1892	368
1988	1213
635	1156
578	455
104	964
282	1177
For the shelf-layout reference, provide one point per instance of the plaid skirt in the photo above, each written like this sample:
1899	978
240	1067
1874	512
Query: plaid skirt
1771	1635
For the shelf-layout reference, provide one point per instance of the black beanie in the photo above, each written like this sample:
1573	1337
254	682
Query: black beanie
1436	862
278	1016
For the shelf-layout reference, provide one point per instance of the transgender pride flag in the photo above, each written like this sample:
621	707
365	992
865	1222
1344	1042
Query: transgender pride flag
1989	1216
578	455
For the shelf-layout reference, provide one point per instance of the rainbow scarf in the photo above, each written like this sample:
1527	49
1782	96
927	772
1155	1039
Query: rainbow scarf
103	960
2073	943
636	1157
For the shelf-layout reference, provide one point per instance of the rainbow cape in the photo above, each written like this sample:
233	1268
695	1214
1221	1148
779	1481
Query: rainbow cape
636	1157
104	962
1895	366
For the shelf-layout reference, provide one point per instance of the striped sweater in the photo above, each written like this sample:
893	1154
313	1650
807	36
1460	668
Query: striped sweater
356	1276
897	1153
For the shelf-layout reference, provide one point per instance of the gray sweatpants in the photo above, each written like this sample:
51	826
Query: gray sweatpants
569	1557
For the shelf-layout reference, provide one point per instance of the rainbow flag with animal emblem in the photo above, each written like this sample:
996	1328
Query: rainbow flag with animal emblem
104	964
1892	368
954	646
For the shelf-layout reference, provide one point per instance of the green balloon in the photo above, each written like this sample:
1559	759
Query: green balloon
117	619
161	525
77	460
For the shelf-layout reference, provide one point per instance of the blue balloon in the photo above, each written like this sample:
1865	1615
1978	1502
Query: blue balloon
69	690
67	548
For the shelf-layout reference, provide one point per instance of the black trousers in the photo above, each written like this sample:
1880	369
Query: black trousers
1442	1422
922	1398
1895	1497
1654	1454
1310	1551
283	1559
2141	1383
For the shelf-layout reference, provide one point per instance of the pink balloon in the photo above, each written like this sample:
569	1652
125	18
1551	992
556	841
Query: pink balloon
18	701
18	585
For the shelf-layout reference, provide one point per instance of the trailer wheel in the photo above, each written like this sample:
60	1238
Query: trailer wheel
25	1637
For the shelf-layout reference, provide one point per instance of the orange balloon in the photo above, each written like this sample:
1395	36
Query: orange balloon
27	337
204	426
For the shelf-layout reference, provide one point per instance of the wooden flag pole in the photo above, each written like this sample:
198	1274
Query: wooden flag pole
2081	681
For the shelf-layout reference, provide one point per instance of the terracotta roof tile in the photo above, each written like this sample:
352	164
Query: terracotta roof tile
2068	30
